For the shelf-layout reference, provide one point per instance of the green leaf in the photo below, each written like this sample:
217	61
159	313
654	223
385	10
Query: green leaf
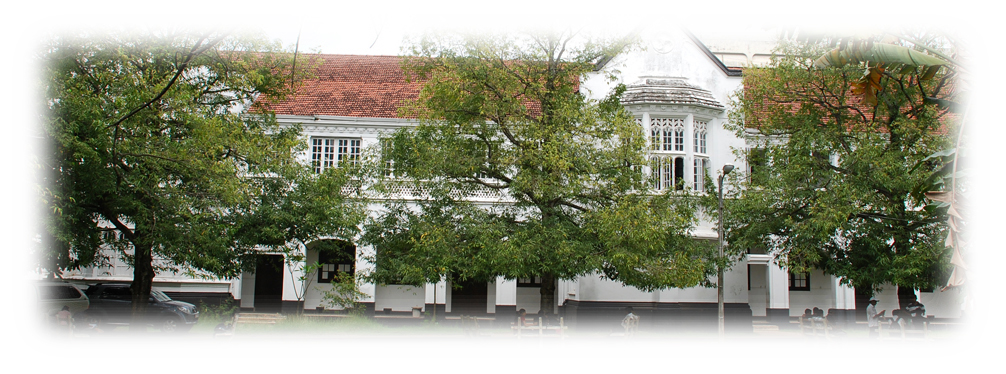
880	53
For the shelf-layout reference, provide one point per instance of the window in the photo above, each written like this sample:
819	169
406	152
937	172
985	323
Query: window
529	282
799	281
330	152
58	292
701	167
334	256
757	160
820	173
387	162
116	293
667	134
699	137
667	172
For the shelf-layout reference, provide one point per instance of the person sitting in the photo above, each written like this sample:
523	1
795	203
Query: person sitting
542	318
916	313
522	317
630	322
817	318
63	318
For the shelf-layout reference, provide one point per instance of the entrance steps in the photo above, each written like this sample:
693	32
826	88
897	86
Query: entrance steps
760	326
258	318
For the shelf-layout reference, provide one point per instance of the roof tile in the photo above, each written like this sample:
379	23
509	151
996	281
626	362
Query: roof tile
350	85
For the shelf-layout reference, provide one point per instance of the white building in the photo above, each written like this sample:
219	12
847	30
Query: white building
678	90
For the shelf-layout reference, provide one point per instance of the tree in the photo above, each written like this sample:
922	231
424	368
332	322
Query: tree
152	154
947	188
522	176
295	207
842	161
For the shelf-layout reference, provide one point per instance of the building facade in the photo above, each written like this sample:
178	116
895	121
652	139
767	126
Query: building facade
679	93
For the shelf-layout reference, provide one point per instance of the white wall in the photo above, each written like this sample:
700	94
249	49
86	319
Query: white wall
758	295
946	304
821	295
596	288
529	299
399	298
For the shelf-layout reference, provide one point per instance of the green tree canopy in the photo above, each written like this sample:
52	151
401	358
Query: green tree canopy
523	176
841	162
152	153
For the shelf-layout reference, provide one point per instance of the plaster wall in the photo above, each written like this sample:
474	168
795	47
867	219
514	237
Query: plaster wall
946	304
596	288
758	294
529	298
400	298
247	289
821	295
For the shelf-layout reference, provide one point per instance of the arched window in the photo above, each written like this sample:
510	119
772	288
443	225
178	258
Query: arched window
699	137
667	134
667	172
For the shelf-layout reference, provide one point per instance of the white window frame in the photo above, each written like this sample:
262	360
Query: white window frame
667	134
663	173
699	137
700	166
327	153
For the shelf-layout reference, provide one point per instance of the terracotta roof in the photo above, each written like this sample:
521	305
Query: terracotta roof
350	85
770	108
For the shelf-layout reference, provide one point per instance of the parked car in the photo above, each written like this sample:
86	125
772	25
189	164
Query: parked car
52	296
112	305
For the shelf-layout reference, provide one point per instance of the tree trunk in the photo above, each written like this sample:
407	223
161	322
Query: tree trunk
143	279
905	296
548	284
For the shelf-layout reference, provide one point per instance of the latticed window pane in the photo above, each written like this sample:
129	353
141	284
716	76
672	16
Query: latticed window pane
799	281
679	139
667	134
700	169
329	152
656	165
667	172
349	151
699	137
388	162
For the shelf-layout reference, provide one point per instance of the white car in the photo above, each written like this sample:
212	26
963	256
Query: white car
52	296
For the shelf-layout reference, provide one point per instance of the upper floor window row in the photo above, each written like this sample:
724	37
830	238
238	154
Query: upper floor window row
668	135
331	152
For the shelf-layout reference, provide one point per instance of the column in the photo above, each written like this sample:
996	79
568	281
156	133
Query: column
778	294
436	297
845	300
506	297
690	151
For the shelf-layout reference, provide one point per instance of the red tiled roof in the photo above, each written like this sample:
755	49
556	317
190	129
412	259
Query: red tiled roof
350	85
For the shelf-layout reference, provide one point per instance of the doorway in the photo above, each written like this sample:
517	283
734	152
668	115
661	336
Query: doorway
470	299
268	283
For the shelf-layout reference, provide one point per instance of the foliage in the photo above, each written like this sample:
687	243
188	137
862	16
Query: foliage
345	293
222	311
151	154
502	120
842	184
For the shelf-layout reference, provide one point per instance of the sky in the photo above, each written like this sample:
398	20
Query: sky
376	27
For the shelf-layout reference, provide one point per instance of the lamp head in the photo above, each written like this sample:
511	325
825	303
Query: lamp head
727	168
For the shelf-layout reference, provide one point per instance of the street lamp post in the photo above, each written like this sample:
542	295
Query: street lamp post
719	235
